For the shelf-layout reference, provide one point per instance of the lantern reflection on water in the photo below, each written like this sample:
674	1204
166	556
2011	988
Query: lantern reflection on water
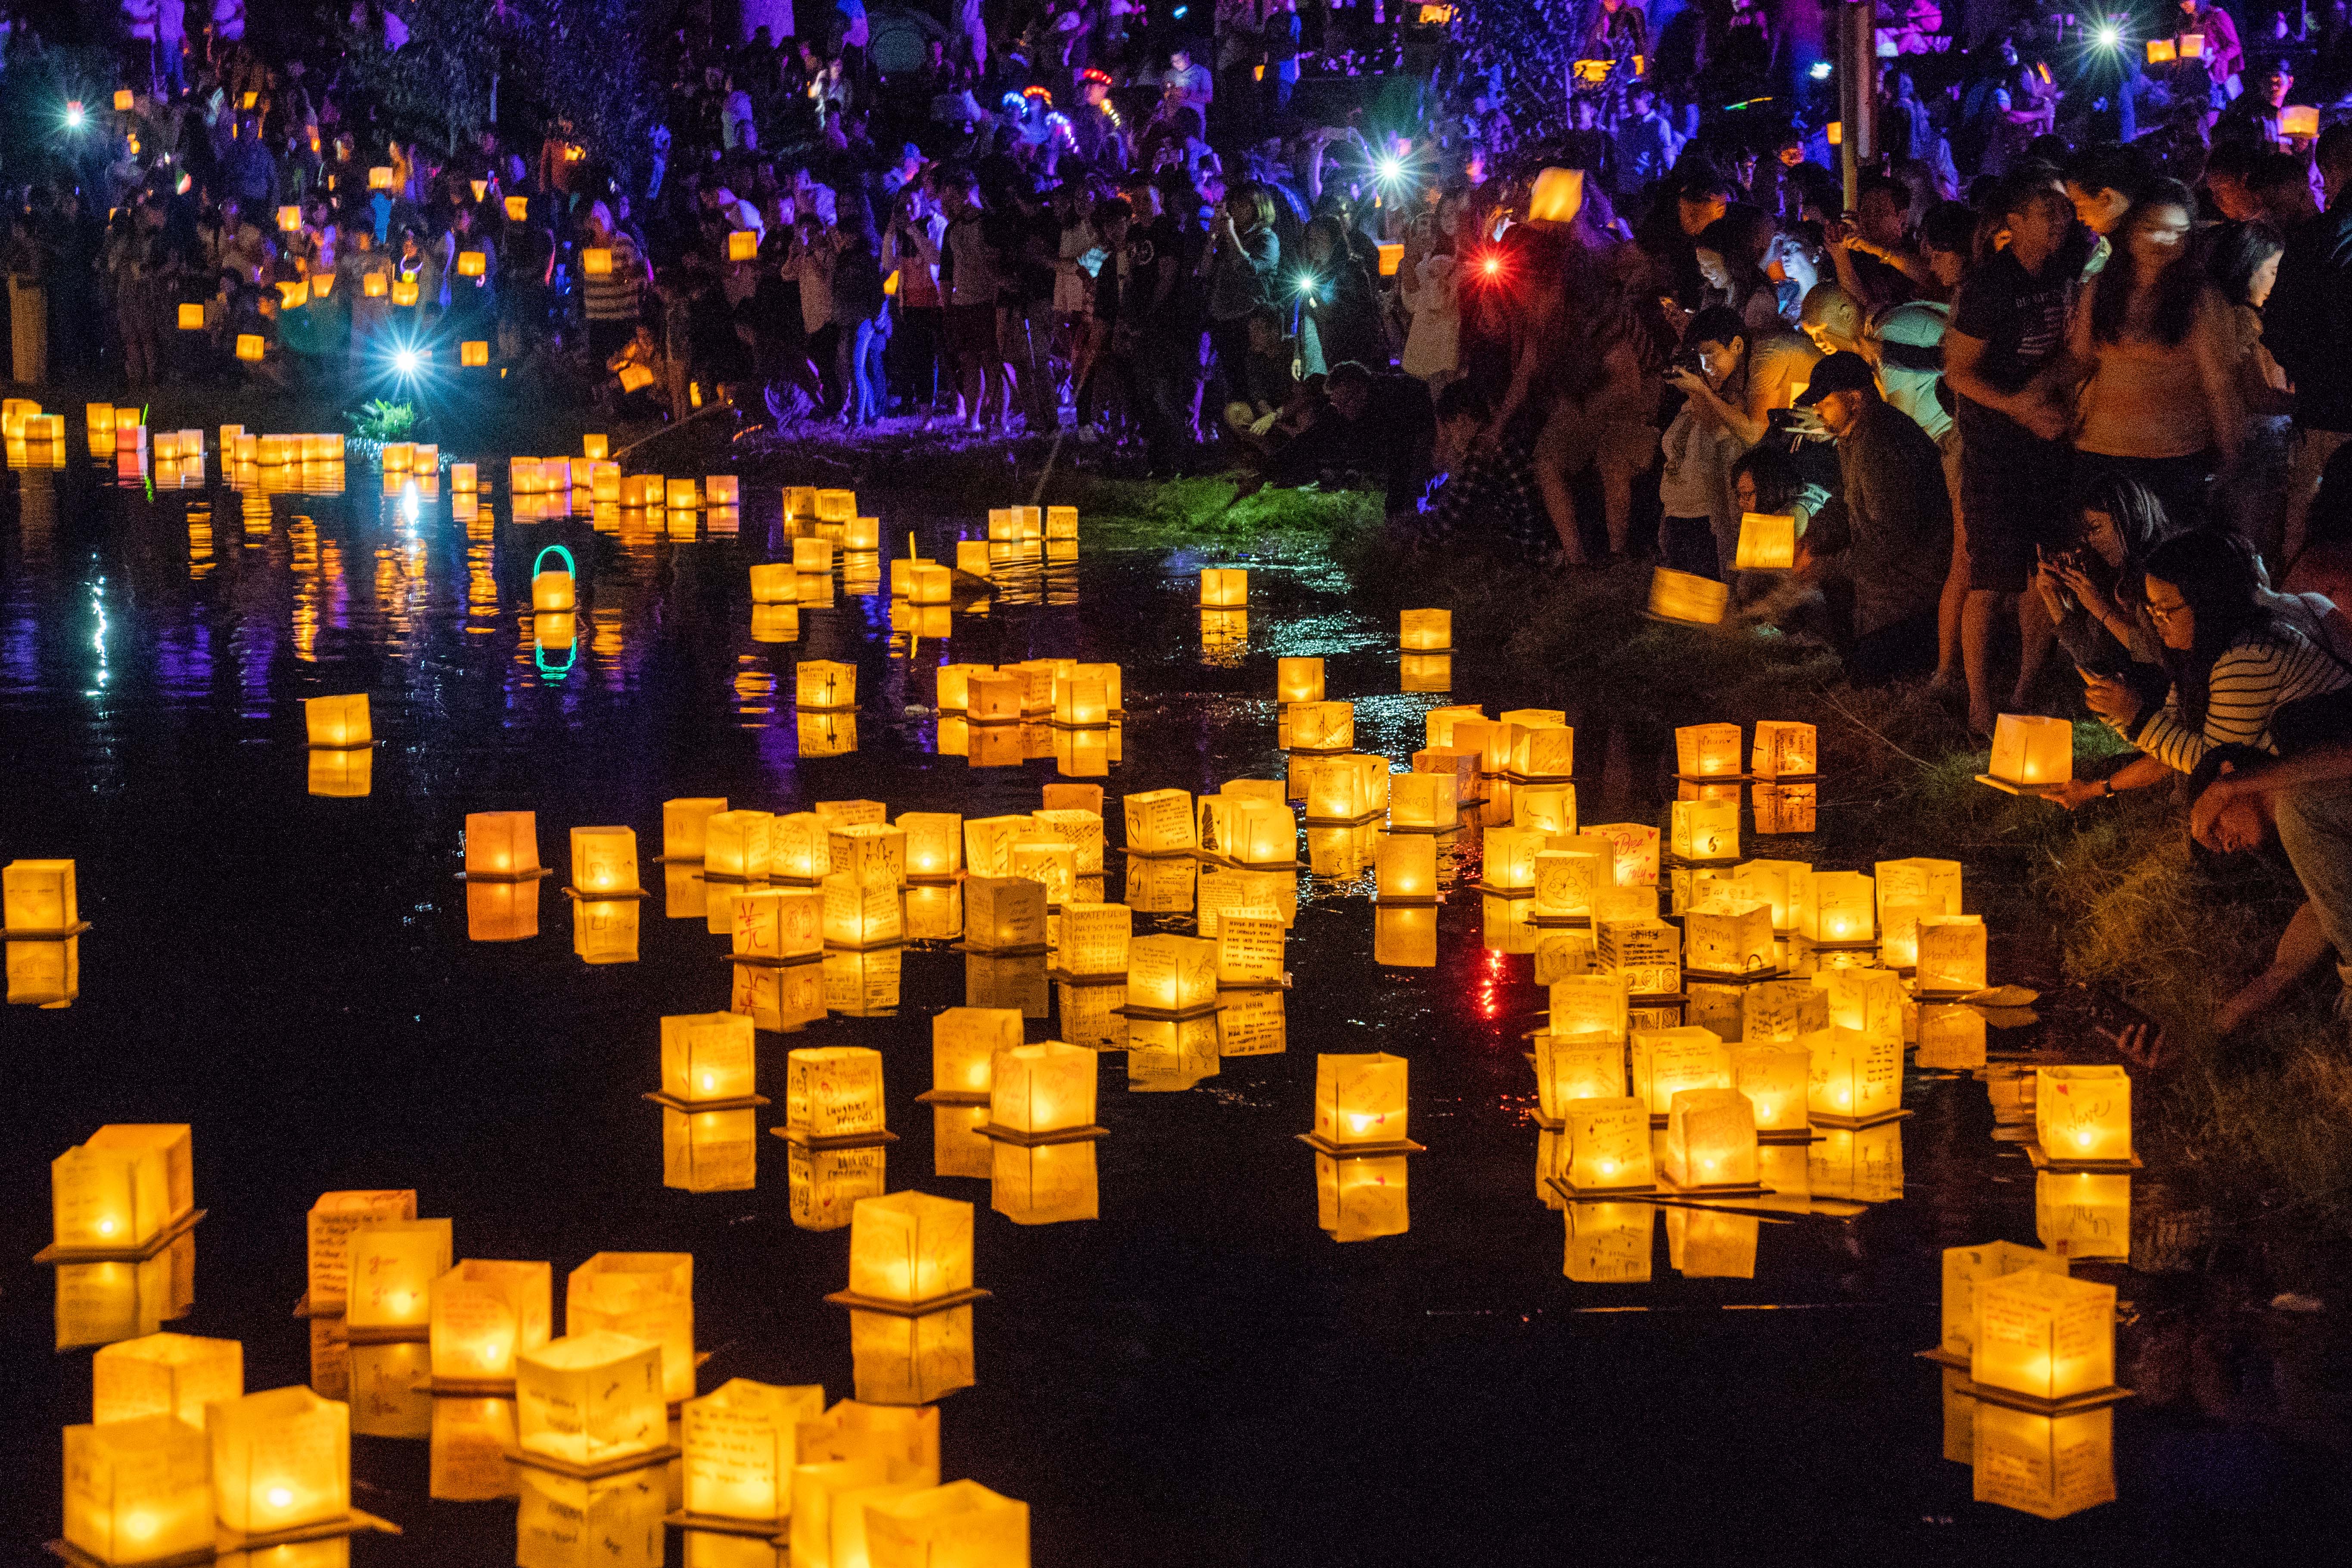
2048	1466
1703	1244
615	1522
2088	1214
898	1359
710	1151
1610	1244
1046	1185
1358	1200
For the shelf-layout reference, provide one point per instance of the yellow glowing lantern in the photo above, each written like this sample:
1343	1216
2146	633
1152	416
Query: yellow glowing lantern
1934	884
1705	829
595	261
192	320
605	861
1298	680
1004	914
1557	197
685	825
380	177
1643	954
135	1490
279	1460
1549	809
1250	947
823	685
591	1396
648	1296
708	1057
1683	597
165	1374
742	1441
911	1249
2298	119
472	263
1053	867
743	244
1841	907
1968	1268
738	846
961	1523
375	285
1784	749
118	1192
337	721
1856	1078
1710	1139
2162	51
833	1092
249	347
474	353
1663	1062
519	211
934	843
1727	934
2045	1335
1043	1090
1707	751
868	852
1565	882
2029	751
964	1044
1421	802
778	925
1359	1100
1160	822
859	915
1609	1146
1094	940
1427	631
37	897
1951	957
2082	1113
1767	542
485	1312
1172	975
406	290
1543	751
1773	1077
2192	46
393	1266
1570	1067
322	284
1786	885
1588	1004
1319	726
332	1219
1225	588
100	416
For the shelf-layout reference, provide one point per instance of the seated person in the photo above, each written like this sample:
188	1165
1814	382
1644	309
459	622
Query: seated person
1374	423
639	379
1487	501
1265	387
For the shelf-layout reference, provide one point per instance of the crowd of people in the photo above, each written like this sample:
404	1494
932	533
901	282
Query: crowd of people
2067	365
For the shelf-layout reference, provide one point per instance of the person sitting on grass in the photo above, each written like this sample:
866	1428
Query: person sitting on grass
639	376
1486	502
1373	424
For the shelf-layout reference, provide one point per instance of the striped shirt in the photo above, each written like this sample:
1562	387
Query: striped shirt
2254	676
613	297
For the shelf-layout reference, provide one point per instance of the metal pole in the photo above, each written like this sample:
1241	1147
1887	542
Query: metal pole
1857	70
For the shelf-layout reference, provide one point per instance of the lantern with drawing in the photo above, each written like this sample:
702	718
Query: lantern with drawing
592	1398
1705	830
2081	1114
604	862
1707	751
1359	1101
1609	1146
741	1443
1406	870
1728	935
1171	976
1663	1062
1570	1067
1004	915
647	1295
1783	749
964	1044
135	1490
2045	1335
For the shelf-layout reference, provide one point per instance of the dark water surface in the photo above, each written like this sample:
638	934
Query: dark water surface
1199	1375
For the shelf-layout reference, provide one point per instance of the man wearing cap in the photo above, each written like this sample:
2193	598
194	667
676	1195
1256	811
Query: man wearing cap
1890	529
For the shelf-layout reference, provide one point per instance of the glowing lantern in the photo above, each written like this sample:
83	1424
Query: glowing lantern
2029	751
1643	955
405	291
279	1460
2161	51
868	853
192	320
708	1057
1557	197
1608	1145
1349	787
1543	751
738	846
1565	881
741	1443
648	1296
964	1044
1225	588
375	285
1588	1004
1710	1139
1004	915
1298	680
1705	829
37	897
1094	940
1951	956
2044	1335
1869	1001
380	177
1043	1090
474	353
1707	751
1174	976
1319	726
2192	46
1081	831
799	847
1951	1037
1663	1062
337	721
1570	1067
1419	803
1857	1078
591	1396
961	1523
485	1312
1841	907
393	1266
1360	1100
605	861
1968	1268
685	825
472	263
1728	935
933	844
1682	597
1359	1199
1767	542
2298	119
135	1490
1784	749
165	1374
122	1189
834	1093
822	685
1250	948
2083	1114
1786	885
1774	1077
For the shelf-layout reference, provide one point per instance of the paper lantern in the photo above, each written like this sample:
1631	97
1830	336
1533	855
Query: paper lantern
1935	884
1422	802
279	1460
594	262
1570	1067
394	1263
118	1190
1682	597
604	860
2298	119
1094	938
1707	751
741	1442
1430	631
1359	1100
165	1374
1643	956
1541	751
1298	680
2161	51
485	1312
1773	1077
1081	832
1840	907
135	1490
1951	956
962	1523
591	1396
1965	1268
375	285
1406	870
1710	1139
910	1248
1787	886
1004	914
474	353
1557	197
2192	46
824	686
38	896
332	1219
648	1296
1250	947
1767	542
964	1044
1346	788
1857	1078
834	1093
249	347
709	1056
1608	1145
337	720
2028	749
1173	975
405	291
322	284
1663	1062
2082	1113
1728	935
741	845
1783	749
685	825
1705	830
2044	1335
1225	588
1044	1089
1565	881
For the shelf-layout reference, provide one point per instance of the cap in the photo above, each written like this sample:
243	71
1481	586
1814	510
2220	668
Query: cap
1839	372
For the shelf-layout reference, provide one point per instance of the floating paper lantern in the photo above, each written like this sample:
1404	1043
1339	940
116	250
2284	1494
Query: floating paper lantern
685	825
1682	597
1565	881
741	845
870	853
1430	631
604	860
592	1398
648	1296
1707	751
911	1248
1298	680
337	720
1643	956
1710	1139
933	842
123	1187
2044	1335
279	1460
1784	749
1053	867
708	1055
1608	1145
823	685
165	1374
955	682
1420	802
1728	935
1081	831
1840	907
1951	955
1663	1062
1773	1077
964	1044
962	1523
1225	588
1588	1004
2082	1113
1570	1067
1968	1268
1044	1089
1095	939
2031	750
1543	751
834	1093
799	847
1250	948
485	1313
1172	974
1315	725
1359	1100
1004	914
1934	884
1705	829
38	896
332	1219
135	1490
1786	885
1857	1078
393	1266
1406	870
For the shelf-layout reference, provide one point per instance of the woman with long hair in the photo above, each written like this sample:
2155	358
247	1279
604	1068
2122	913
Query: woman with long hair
1731	256
1342	314
2151	347
2243	261
2231	663
2095	593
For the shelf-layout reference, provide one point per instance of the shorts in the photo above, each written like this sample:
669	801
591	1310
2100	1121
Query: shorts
2015	494
972	331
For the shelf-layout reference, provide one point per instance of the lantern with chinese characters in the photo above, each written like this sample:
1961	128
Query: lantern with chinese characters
779	925
1359	1101
337	721
741	1442
834	1093
1225	588
647	1295
823	685
1425	631
1786	885
1663	1062
1298	680
1608	1145
393	1266
1710	1139
1174	977
1726	934
1951	958
707	1058
1683	597
2045	1335
1577	1066
2029	751
165	1374
1968	1268
485	1313
135	1490
604	862
1705	829
592	1398
1405	870
2083	1114
1773	1077
281	1460
1856	1078
1707	751
1840	908
1767	542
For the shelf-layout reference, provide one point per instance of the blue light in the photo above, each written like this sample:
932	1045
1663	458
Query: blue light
1821	70
1179	12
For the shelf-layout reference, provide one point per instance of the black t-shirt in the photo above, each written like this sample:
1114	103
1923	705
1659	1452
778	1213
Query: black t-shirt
2021	319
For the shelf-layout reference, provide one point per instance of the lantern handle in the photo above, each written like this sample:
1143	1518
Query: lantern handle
571	569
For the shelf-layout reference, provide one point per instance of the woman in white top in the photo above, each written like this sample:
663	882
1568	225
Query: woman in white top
1428	282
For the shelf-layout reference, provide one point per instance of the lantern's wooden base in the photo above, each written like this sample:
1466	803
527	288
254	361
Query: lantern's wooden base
1164	1016
953	1097
535	874
1788	1135
883	946
620	1465
1223	986
2073	1404
778	1531
302	1308
42	933
1785	778
1560	922
1724	977
1026	950
1211	857
1943	1357
1658	999
2042	1161
1087	1134
1667	1189
796	960
1323	1145
388	1334
857	1303
1493	891
1548	1124
1706	863
1713	778
933	879
1854	1123
2008	786
470	1387
841	1140
1513	776
1854	945
1069	978
1425	829
70	1552
1103	723
734	1102
1941	998
140	1254
828	707
1392	901
1366	820
677	859
616	894
1181	852
1575	1195
353	746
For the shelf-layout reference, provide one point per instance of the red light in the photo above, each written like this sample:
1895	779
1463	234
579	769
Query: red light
1494	263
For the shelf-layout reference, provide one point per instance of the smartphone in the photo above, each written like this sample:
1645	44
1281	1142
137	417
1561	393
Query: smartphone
2104	667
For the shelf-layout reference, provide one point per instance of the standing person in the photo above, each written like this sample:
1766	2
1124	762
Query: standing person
910	248
1282	43
2002	351
1699	520
1429	282
860	314
973	277
28	265
2151	347
809	262
2241	260
614	301
1342	314
2307	326
1646	143
1243	259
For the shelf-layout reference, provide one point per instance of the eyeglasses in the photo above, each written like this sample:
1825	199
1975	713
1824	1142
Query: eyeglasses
2163	613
